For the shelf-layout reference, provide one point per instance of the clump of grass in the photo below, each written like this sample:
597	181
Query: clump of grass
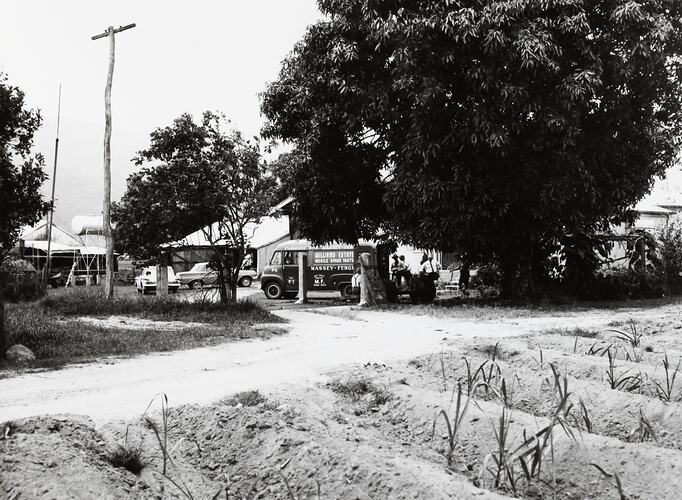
585	416
664	391
621	381
631	339
573	332
453	424
356	388
530	454
644	431
126	458
630	336
247	398
488	375
493	351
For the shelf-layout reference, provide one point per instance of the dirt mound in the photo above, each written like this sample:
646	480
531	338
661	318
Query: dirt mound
61	457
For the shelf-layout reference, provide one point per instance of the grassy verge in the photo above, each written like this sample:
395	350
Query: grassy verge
83	301
495	310
51	329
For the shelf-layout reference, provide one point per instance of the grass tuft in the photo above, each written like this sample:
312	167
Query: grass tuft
356	388
126	458
247	398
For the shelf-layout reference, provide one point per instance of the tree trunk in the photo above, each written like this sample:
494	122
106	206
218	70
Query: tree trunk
162	278
222	283
510	280
3	335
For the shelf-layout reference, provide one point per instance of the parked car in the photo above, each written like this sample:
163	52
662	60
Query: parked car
146	282
201	275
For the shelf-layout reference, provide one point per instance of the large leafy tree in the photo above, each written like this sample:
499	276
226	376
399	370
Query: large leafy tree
195	176
488	126
21	175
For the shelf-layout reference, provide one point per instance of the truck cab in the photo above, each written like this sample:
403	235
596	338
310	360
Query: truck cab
328	268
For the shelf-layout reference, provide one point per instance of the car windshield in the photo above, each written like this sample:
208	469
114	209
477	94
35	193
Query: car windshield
201	267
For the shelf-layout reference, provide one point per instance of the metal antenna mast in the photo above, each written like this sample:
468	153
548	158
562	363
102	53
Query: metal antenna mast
46	269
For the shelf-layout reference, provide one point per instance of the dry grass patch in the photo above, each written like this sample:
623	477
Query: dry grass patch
53	329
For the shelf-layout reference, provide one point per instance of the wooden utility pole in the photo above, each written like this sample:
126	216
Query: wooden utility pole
106	208
46	269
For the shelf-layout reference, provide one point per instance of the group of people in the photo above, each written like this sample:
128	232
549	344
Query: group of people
401	269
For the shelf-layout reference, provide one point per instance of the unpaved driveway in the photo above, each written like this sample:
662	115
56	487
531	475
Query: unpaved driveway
315	344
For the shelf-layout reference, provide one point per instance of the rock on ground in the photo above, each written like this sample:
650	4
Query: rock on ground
19	354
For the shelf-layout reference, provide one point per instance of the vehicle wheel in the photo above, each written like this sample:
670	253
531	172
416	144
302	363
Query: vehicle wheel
273	290
145	291
422	290
172	290
289	295
245	281
346	290
196	284
390	291
138	290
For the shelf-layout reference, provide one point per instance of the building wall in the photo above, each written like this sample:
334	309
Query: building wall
265	252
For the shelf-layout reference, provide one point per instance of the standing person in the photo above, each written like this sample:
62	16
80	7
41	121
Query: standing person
355	283
406	270
464	275
430	268
247	263
395	270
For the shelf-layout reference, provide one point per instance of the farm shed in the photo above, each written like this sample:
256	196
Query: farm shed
262	239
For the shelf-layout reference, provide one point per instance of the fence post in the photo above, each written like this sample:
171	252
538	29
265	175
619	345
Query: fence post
302	285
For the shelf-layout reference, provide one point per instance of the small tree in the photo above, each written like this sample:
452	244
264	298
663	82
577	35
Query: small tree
21	175
198	177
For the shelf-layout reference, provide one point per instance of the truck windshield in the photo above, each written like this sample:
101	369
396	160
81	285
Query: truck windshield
276	259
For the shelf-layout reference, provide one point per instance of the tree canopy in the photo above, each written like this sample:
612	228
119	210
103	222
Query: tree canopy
21	174
194	175
21	171
493	127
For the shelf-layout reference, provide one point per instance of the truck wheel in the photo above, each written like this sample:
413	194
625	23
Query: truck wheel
245	281
390	291
346	290
422	290
289	295
273	290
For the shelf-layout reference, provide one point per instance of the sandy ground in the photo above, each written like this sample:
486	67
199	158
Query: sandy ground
346	407
316	343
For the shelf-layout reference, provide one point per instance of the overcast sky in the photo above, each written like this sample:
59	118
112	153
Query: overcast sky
182	57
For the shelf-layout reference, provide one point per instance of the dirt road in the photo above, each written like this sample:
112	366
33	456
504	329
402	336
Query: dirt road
317	341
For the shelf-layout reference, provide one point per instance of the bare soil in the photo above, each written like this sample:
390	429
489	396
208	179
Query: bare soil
367	431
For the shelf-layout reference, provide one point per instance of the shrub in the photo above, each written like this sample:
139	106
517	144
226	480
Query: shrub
670	238
622	284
